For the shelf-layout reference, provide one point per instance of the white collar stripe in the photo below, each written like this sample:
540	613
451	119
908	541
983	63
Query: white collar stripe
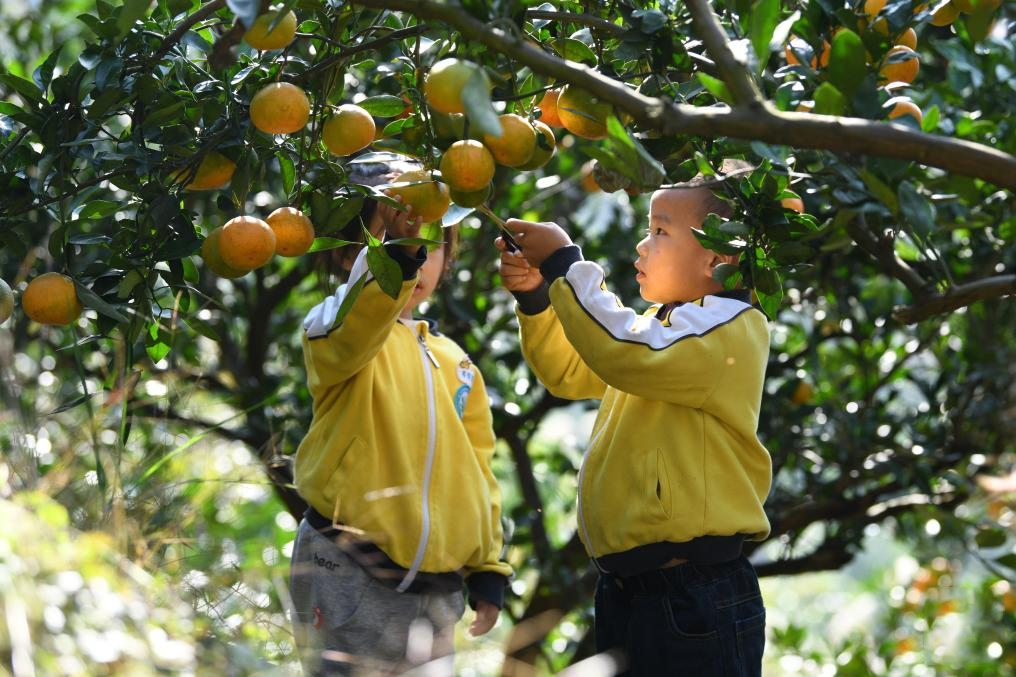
321	317
623	324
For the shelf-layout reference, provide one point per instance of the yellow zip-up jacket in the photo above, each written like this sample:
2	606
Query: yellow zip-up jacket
400	445
674	467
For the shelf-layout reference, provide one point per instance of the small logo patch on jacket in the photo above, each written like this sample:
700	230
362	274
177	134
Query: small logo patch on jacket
466	375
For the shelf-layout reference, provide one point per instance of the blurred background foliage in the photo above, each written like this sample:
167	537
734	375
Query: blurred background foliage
143	477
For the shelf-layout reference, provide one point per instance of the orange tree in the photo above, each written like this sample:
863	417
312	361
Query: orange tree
141	161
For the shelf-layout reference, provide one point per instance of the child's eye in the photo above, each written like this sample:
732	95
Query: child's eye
659	231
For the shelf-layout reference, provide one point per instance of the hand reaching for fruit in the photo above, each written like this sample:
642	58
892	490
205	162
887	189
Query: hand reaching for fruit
398	223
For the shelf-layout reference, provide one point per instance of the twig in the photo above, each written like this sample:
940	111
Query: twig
181	30
15	142
596	22
363	47
957	297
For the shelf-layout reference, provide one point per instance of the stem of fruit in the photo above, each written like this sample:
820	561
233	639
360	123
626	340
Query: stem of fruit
499	222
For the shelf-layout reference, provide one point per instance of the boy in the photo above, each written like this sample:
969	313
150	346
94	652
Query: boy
674	478
396	469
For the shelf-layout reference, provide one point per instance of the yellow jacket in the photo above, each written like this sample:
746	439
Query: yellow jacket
400	445
674	468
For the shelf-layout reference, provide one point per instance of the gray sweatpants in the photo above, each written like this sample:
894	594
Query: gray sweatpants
347	623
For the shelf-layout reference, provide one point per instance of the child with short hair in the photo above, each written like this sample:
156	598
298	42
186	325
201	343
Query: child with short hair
396	468
675	477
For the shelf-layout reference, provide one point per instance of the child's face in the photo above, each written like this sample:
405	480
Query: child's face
430	275
672	265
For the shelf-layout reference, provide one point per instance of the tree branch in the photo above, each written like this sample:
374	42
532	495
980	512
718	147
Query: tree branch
800	130
203	13
734	73
363	47
957	297
15	142
884	251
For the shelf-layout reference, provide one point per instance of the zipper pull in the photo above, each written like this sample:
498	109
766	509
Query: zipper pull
426	349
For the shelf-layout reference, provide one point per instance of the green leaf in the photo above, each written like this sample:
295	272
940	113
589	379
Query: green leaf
479	109
352	292
930	121
727	274
201	327
384	105
288	171
847	66
131	11
715	244
89	238
1008	561
386	271
880	190
418	241
99	209
916	208
829	100
990	538
633	160
245	10
765	14
789	253
574	50
103	29
43	75
735	228
323	243
770	302
716	87
94	301
28	91
280	14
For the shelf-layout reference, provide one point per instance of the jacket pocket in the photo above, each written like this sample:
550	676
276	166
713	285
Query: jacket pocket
659	486
347	461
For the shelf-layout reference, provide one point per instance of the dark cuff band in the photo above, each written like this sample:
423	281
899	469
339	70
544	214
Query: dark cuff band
486	586
558	263
533	302
409	264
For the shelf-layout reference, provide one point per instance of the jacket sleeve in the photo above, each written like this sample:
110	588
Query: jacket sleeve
549	353
488	581
334	352
677	359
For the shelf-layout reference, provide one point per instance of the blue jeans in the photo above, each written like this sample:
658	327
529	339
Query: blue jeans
696	620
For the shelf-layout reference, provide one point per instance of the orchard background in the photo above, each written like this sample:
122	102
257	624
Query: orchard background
144	478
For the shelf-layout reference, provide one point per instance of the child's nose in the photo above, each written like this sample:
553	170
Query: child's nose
641	246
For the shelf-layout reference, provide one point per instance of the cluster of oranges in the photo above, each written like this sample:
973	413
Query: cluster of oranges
901	63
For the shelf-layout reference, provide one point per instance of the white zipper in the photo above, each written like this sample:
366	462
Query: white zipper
582	516
428	359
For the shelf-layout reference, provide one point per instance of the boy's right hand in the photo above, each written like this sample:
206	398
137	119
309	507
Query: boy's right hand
516	273
400	224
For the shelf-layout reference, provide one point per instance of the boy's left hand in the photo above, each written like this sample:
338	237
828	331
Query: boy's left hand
538	240
486	617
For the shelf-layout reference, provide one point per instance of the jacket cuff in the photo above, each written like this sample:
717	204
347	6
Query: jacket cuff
558	263
487	586
409	264
533	302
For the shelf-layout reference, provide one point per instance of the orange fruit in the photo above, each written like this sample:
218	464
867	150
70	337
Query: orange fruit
445	81
517	142
350	129
214	171
871	10
588	181
1009	600
548	108
795	203
470	199
908	38
246	243
945	15
467	166
803	393
582	114
258	37
294	233
280	108
805	107
213	259
965	6
904	107
51	299
816	62
6	301
541	155
428	198
900	71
